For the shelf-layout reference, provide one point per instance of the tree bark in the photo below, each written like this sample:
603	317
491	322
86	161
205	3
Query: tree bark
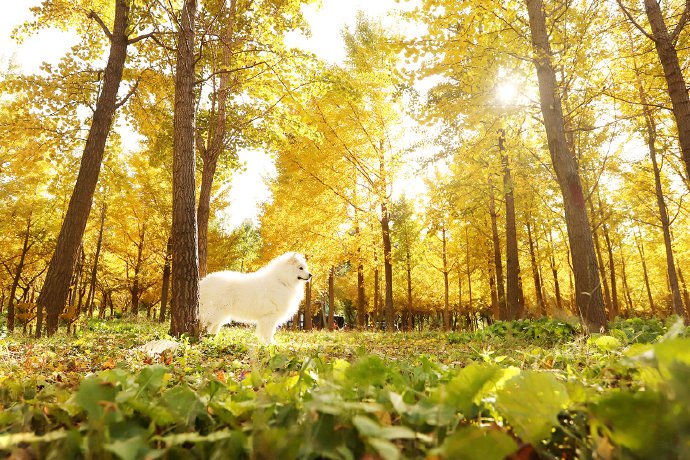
535	272
137	271
331	298
185	262
600	262
56	286
166	281
408	270
626	288
18	274
640	249
686	295
94	271
498	263
307	307
446	289
216	140
513	304
588	298
387	266
677	88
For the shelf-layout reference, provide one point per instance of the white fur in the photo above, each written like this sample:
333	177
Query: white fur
267	297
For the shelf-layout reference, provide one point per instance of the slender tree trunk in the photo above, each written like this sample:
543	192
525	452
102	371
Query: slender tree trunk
408	270
376	297
498	264
361	297
640	249
166	281
137	271
91	296
185	262
387	267
554	272
663	216
446	290
588	299
535	272
677	88
614	311
492	287
331	298
468	270
307	307
686	295
626	288
81	282
600	263
56	286
216	140
513	307
18	274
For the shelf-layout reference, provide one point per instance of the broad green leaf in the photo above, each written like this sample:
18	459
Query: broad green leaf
93	393
474	443
470	385
605	342
530	402
132	449
385	448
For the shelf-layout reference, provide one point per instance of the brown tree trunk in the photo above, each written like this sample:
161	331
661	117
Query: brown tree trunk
376	297
166	281
137	271
492	288
589	301
216	140
640	249
513	307
387	267
307	307
677	88
554	272
686	295
408	270
615	307
18	274
56	286
600	262
331	298
663	214
535	272
626	288
446	290
498	264
91	296
185	262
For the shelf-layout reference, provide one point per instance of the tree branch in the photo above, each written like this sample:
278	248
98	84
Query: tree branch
681	23
93	15
132	41
633	21
129	94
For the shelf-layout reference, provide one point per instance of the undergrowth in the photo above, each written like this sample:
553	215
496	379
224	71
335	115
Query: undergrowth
527	389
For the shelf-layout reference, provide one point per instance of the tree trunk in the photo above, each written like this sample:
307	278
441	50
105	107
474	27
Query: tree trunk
166	281
535	272
588	298
446	291
94	271
185	262
331	298
468	270
663	214
498	264
554	272
513	307
137	271
56	286
626	288
376	297
18	274
677	89
408	270
600	263
640	249
216	140
307	307
492	288
686	295
387	267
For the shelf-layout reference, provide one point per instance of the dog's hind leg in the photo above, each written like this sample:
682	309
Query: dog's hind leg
265	329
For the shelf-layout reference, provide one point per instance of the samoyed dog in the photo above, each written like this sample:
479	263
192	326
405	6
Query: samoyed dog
268	297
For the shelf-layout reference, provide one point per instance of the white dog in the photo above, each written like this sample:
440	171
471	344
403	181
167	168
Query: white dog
268	297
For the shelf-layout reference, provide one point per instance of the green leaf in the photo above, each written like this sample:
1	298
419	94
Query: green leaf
384	448
92	393
151	379
605	342
183	402
466	390
474	443
132	449
530	402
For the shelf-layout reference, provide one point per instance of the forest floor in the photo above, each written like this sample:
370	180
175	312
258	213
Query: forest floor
526	389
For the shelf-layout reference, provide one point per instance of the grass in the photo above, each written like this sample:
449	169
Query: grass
536	387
